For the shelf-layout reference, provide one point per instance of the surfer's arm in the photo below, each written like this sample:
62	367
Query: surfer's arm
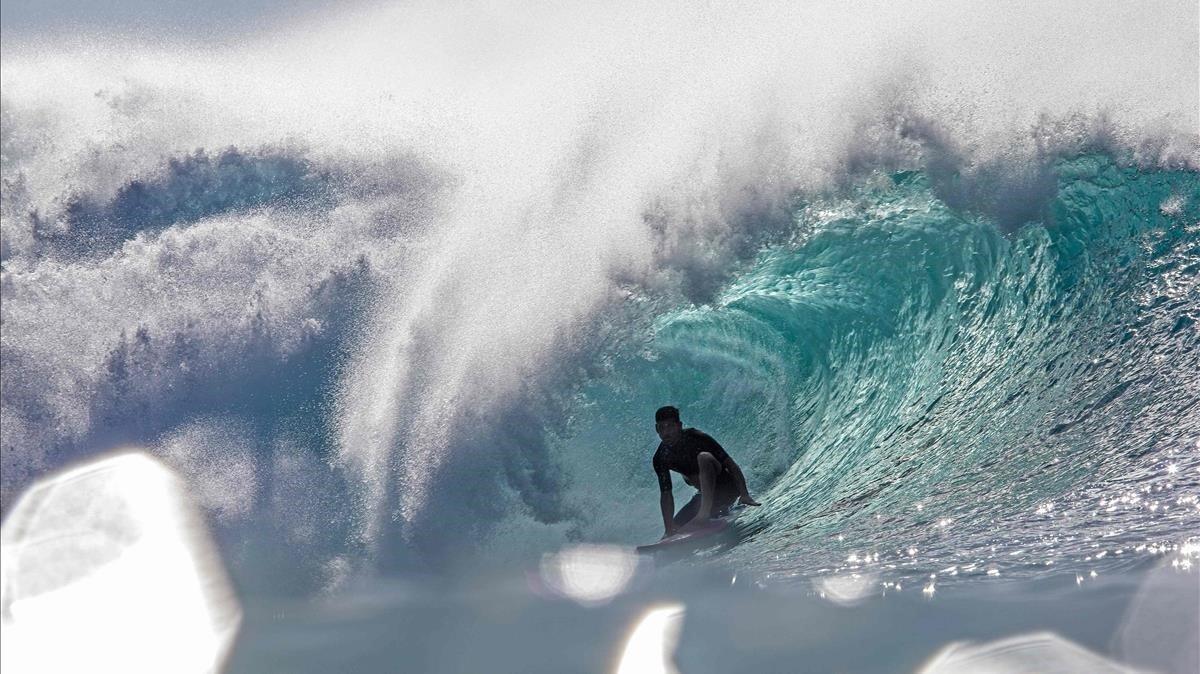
666	499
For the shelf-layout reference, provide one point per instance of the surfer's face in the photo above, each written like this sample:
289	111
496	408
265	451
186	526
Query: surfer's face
669	430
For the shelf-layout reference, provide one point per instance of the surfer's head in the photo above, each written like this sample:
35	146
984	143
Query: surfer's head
667	424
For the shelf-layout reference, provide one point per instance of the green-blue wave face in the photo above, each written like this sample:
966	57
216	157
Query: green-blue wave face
905	381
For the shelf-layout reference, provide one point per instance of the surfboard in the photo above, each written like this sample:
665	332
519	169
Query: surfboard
694	535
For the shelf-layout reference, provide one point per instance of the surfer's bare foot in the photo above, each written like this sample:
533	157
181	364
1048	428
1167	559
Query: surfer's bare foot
747	500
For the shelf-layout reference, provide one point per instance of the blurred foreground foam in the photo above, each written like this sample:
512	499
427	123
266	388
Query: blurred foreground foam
109	567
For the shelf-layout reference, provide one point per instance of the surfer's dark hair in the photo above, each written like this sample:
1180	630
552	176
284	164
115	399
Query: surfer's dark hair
667	413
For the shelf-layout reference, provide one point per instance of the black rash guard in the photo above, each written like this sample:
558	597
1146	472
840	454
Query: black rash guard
684	458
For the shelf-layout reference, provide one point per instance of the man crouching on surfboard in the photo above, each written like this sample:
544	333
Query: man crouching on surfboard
704	465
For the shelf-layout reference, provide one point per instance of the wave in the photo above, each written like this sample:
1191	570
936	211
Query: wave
906	376
433	303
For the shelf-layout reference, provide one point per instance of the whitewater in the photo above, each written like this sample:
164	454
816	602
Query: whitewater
396	291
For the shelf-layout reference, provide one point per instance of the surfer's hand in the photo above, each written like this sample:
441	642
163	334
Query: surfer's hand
747	500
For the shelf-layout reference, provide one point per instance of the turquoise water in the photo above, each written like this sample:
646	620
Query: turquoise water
909	385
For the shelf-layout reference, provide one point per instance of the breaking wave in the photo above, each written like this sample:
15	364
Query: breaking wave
424	313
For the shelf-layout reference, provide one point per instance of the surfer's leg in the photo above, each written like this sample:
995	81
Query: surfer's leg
726	494
688	511
709	468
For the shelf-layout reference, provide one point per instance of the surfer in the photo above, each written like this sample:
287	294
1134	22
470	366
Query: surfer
704	465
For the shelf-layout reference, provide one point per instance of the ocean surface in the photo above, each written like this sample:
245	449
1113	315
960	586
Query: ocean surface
396	291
